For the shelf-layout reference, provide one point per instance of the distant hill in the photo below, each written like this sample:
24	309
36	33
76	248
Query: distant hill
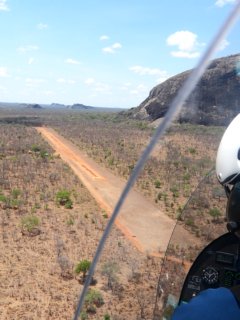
57	106
32	106
76	106
79	106
215	100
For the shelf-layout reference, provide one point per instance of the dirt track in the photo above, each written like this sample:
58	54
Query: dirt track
141	222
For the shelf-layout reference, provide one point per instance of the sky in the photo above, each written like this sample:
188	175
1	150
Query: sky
106	53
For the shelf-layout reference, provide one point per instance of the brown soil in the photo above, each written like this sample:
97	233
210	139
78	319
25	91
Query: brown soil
140	221
37	268
37	278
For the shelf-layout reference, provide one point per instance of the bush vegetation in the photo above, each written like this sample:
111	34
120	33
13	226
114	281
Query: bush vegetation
63	198
82	267
177	164
93	300
29	223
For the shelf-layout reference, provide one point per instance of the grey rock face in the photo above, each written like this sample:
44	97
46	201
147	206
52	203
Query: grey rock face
215	100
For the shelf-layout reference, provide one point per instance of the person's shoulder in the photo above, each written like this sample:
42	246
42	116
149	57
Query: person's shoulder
210	304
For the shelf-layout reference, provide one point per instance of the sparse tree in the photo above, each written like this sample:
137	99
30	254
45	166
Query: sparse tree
110	270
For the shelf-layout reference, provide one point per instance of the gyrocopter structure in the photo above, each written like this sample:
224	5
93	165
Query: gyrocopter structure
218	264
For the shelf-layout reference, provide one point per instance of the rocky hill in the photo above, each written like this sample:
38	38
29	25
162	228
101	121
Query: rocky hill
215	100
79	106
33	106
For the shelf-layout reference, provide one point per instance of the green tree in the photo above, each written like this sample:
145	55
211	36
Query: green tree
82	267
157	184
63	198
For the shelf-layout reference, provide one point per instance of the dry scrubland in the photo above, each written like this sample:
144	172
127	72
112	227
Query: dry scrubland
37	266
179	162
179	178
42	241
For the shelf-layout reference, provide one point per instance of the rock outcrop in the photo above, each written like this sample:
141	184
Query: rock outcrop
214	101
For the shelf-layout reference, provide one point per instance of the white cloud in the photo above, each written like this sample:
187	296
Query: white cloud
72	61
42	26
3	89
89	81
4	72
61	80
108	50
222	3
102	88
148	71
67	81
3	5
113	48
34	82
186	43
223	45
134	92
185	54
104	37
30	61
48	93
125	86
24	49
184	40
97	86
139	89
117	45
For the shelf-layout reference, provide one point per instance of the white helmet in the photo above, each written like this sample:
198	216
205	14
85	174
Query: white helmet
228	155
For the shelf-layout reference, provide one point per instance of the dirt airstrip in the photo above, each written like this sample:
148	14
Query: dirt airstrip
140	221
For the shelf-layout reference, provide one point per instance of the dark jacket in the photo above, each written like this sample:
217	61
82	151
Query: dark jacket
210	304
